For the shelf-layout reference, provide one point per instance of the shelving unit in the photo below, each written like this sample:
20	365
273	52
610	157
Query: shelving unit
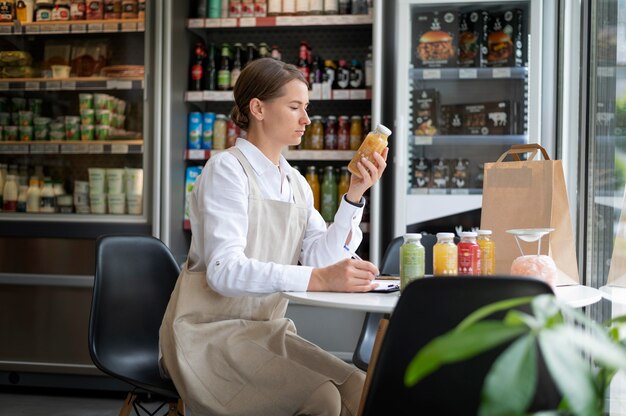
71	84
72	26
274	21
73	147
227	96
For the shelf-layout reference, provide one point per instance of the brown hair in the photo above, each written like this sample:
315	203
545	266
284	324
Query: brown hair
263	79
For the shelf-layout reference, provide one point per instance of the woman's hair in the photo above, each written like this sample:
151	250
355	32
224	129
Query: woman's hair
263	79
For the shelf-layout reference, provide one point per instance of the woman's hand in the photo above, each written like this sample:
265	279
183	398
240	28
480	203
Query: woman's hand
349	275
370	173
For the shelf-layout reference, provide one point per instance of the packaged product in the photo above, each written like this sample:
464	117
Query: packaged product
425	112
506	41
7	11
472	36
451	119
435	38
440	177
15	58
460	174
421	173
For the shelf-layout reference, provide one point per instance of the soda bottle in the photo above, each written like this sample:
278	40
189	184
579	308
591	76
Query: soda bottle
315	73
356	74
330	72
376	141
345	6
208	121
314	183
445	260
487	253
344	182
197	70
329	194
317	133
303	60
343	75
355	132
468	255
264	50
369	69
330	137
223	75
251	53
412	259
210	73
276	53
343	134
234	74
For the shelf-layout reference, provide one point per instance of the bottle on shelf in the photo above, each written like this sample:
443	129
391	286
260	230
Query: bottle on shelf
329	194
314	183
274	7
276	53
367	126
445	262
356	74
412	260
343	75
264	50
210	73
234	74
316	7
376	141
343	133
21	199
197	67
315	74
330	135
289	8
33	195
223	75
214	9
251	53
369	69
219	132
317	133
359	7
355	132
303	59
201	9
344	182
345	6
9	194
303	7
331	7
47	200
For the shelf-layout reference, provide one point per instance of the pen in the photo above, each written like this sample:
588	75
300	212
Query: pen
352	253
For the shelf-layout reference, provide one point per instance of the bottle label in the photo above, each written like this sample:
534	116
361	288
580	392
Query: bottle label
196	72
223	79
356	78
343	78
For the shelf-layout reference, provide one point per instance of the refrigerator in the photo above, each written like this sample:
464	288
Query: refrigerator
85	103
463	82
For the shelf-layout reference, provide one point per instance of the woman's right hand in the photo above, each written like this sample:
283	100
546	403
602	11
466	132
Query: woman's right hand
349	275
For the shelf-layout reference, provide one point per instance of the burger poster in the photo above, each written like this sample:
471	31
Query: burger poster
472	32
505	39
435	38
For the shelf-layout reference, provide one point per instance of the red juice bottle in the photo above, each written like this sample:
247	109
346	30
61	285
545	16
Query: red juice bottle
468	255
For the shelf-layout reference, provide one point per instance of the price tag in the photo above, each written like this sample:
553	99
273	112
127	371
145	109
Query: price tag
51	148
124	85
196	154
247	22
195	96
502	72
96	148
606	71
230	22
53	85
119	149
129	27
6	29
211	23
4	86
423	140
79	28
140	27
341	94
110	27
4	149
36	149
68	85
195	23
358	94
18	148
71	148
112	84
94	27
468	73
32	86
432	74
60	28
31	29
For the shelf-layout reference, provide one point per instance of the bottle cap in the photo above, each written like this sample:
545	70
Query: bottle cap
412	236
484	232
445	235
384	130
468	234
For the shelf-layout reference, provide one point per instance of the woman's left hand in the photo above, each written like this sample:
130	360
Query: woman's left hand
370	173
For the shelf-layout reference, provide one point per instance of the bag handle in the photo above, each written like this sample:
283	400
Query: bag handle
518	149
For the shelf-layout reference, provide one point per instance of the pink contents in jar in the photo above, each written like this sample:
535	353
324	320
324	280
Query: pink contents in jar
539	266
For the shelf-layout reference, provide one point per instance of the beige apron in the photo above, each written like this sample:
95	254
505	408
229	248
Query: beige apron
240	355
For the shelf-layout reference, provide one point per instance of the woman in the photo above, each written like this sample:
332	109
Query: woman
225	341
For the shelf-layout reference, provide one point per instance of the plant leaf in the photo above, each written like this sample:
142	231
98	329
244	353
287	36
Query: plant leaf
455	346
601	349
487	310
546	310
511	382
570	372
514	318
617	320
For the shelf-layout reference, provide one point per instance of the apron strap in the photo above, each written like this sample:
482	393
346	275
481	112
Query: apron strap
298	193
252	183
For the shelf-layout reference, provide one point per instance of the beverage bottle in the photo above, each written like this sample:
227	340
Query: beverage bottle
376	141
3	179
317	133
412	259
329	195
356	74
214	9
303	60
305	144
210	73
359	7
274	7
343	134
344	182
208	120
345	6
21	199
330	72
201	11
367	123
314	183
276	53
197	70
468	255
303	7
445	260
369	69
234	74
251	53
234	8
487	253
232	132
219	132
316	7
331	7
330	136
289	7
33	195
47	201
343	75
264	50
9	194
356	134
223	75
194	127
315	74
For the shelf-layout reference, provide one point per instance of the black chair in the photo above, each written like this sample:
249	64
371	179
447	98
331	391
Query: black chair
390	265
428	308
134	278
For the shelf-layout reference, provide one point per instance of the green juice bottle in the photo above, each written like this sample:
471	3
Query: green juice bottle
411	259
329	195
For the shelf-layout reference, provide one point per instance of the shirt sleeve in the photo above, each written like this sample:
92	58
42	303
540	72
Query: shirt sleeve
324	246
222	198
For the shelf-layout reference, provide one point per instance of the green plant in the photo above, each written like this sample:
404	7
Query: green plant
581	355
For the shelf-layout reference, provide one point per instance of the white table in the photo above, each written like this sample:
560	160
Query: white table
615	294
576	296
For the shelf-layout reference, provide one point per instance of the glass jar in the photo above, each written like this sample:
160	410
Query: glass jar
468	255
487	252
376	141
317	133
412	256
445	259
219	132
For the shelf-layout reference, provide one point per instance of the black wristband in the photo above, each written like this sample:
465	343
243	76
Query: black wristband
361	203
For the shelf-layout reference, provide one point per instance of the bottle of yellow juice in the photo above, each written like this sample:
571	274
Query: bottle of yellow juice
376	141
445	261
487	252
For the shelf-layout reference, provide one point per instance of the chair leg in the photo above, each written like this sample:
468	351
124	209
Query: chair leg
380	335
127	408
176	408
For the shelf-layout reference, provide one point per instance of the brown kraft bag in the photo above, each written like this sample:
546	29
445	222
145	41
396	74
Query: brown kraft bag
529	194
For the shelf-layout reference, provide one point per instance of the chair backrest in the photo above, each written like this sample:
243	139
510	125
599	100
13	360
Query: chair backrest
391	259
426	309
134	278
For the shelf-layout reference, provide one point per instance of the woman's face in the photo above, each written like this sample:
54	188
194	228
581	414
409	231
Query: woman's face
286	116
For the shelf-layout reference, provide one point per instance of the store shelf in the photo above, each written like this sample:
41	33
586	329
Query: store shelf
277	21
321	155
73	26
469	140
77	147
200	154
71	84
75	218
447	74
335	95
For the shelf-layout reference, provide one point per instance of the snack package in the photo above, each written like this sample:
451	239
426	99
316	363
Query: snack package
472	36
506	41
440	177
425	112
435	38
451	119
499	118
421	173
15	58
460	174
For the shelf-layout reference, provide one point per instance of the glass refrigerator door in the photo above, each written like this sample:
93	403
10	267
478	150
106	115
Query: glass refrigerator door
467	89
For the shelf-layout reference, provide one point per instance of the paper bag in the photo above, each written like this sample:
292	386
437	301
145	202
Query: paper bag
617	270
529	194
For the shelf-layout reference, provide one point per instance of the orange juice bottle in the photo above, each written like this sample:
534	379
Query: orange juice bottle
376	141
445	255
355	132
314	183
344	182
487	253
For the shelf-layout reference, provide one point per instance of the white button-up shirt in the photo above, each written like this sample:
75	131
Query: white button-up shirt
219	223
